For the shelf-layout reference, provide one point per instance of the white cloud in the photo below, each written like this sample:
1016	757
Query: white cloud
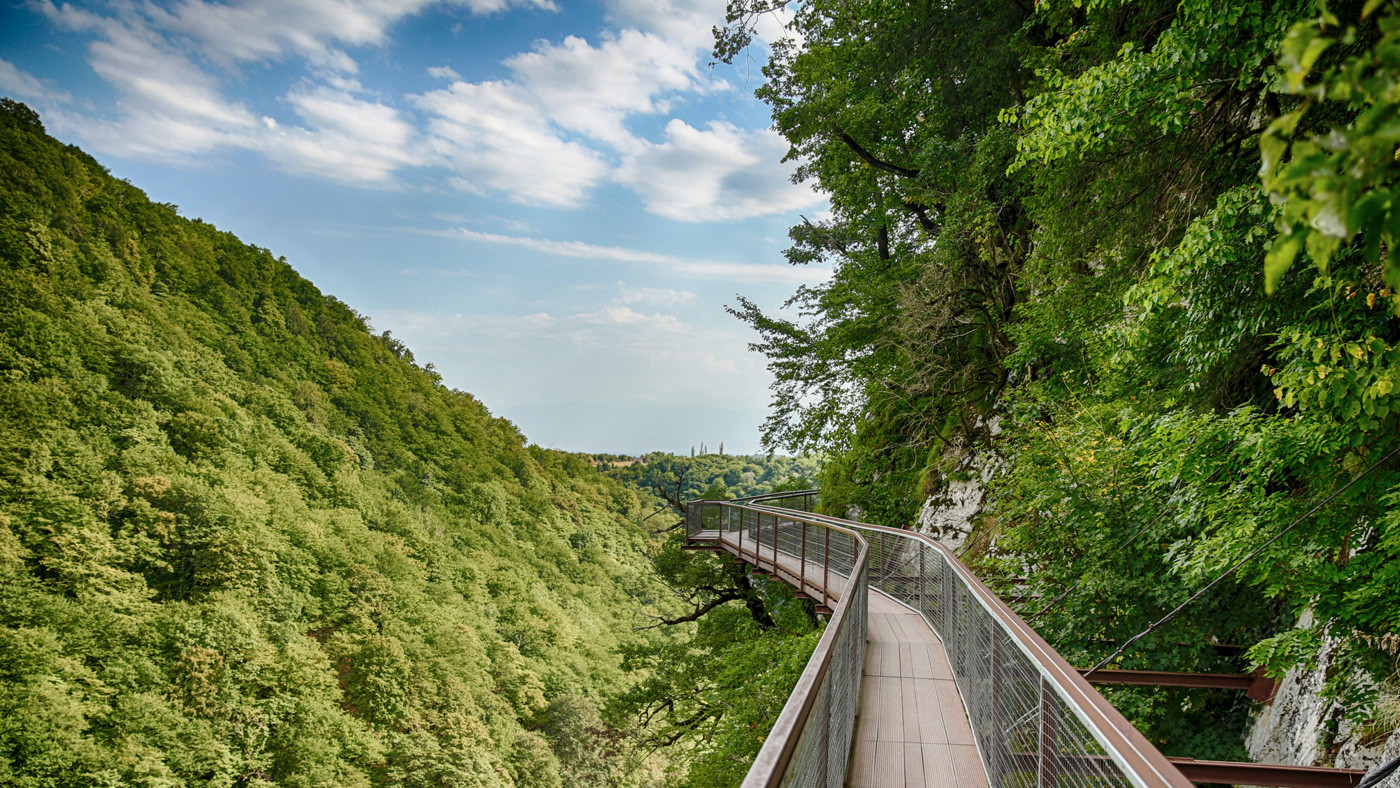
257	30
706	269
14	81
492	135
170	109
654	295
591	90
513	136
625	316
345	138
686	22
547	135
716	173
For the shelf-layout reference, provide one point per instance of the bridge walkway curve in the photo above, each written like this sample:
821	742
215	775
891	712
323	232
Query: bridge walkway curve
916	647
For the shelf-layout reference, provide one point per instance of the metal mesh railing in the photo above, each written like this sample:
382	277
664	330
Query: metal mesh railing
1036	721
810	742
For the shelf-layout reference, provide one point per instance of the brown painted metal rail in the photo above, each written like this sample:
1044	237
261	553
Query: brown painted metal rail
1256	686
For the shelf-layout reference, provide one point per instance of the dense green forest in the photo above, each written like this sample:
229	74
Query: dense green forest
676	479
247	541
1142	258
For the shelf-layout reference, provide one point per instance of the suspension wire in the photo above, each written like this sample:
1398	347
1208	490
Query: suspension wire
1168	617
1378	776
1167	508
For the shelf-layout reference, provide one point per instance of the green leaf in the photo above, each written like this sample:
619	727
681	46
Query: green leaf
1315	49
1280	258
1271	150
1321	248
1284	125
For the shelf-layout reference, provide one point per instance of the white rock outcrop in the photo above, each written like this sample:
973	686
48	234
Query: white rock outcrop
1294	729
948	515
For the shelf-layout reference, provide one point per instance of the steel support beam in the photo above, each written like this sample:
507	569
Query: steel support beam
1220	772
1257	685
1230	773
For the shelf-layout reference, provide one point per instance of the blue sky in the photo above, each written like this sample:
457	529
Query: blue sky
549	200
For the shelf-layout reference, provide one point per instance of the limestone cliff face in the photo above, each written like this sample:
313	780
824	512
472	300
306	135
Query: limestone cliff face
948	515
1298	727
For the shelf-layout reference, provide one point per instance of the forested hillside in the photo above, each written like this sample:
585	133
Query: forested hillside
1139	263
247	541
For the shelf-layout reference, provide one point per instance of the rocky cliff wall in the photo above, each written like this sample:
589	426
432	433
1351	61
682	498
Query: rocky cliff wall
1301	727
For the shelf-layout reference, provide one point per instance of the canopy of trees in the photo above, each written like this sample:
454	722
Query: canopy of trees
246	541
1142	256
677	479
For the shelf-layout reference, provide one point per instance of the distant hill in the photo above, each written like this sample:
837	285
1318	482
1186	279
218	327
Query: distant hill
246	541
688	478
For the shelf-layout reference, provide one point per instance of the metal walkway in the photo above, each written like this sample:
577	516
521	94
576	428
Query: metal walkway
924	677
911	727
1034	721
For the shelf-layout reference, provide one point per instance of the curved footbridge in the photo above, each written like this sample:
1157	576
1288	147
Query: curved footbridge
924	677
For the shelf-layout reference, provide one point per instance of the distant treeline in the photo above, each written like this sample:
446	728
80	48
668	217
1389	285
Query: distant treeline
716	475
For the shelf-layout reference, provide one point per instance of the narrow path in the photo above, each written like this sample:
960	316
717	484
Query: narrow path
911	729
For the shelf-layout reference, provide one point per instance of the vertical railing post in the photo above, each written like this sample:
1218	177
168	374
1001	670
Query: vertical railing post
776	523
758	549
758	540
803	569
743	526
1049	745
826	565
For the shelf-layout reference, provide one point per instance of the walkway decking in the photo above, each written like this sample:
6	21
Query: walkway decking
911	726
911	729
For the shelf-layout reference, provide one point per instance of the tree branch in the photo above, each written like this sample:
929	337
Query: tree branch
869	158
728	596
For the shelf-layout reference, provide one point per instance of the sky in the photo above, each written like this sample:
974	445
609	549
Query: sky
551	201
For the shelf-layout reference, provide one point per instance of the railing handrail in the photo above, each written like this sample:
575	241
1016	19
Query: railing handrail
1140	762
774	757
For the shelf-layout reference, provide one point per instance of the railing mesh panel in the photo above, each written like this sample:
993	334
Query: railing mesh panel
825	743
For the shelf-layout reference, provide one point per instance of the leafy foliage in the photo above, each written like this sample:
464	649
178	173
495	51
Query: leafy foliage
247	541
1337	182
1055	255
